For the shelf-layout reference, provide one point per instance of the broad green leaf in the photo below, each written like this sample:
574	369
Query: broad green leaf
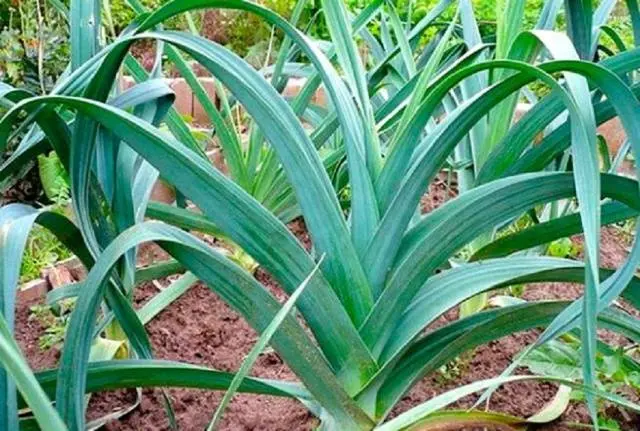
552	230
139	373
84	20
449	288
579	15
402	40
504	158
509	20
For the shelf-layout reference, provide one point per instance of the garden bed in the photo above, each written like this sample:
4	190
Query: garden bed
411	91
199	328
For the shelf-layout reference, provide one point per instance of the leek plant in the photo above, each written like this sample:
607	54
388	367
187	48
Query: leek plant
493	146
378	274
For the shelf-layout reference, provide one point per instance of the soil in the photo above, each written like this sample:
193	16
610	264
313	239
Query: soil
199	328
26	189
28	331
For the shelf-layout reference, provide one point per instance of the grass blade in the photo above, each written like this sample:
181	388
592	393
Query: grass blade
163	299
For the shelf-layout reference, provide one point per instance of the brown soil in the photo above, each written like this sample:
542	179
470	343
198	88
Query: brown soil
145	52
200	328
441	190
26	189
28	331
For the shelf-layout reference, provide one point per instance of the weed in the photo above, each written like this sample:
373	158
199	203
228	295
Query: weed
43	250
54	321
454	369
564	247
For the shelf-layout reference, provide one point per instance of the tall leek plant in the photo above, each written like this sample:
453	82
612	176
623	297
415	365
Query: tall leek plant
379	271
